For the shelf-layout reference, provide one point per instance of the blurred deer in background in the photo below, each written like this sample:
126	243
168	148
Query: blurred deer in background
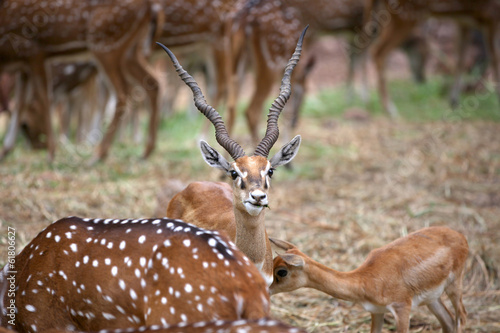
111	33
6	86
270	26
238	211
95	274
411	271
185	24
78	98
401	17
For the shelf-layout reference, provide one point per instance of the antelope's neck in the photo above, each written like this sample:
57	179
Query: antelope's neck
342	285
251	239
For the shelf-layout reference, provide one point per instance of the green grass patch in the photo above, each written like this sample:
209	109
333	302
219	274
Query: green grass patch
415	102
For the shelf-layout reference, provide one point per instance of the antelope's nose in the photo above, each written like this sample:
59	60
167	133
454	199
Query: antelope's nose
258	195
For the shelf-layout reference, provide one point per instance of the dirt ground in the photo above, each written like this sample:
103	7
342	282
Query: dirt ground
356	185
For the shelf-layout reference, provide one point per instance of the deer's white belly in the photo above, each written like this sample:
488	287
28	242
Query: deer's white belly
428	296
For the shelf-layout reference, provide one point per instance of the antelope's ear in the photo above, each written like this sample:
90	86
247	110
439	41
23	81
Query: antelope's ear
281	244
213	158
293	260
286	153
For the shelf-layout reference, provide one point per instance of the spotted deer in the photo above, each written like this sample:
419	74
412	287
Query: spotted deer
411	271
238	211
399	19
94	274
109	32
219	326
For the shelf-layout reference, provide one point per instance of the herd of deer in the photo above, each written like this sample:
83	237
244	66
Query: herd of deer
209	266
116	38
215	272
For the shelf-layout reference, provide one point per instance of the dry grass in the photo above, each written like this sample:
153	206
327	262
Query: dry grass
355	186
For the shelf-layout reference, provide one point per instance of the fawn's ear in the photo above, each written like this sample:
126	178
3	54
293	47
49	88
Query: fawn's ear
286	153
213	158
293	260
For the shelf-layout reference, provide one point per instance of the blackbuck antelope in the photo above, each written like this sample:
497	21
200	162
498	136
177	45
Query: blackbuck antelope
411	271
238	211
94	274
400	17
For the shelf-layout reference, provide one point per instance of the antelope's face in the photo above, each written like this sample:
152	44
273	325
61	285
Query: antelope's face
251	174
251	177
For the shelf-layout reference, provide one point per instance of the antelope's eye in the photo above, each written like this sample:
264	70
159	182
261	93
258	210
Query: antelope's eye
282	272
234	174
270	173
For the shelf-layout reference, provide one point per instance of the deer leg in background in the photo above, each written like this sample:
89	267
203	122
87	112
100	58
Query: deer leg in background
5	88
41	94
89	98
140	70
229	69
356	59
99	106
21	90
459	69
390	37
480	66
292	111
265	77
491	33
417	50
116	77
353	60
63	108
217	72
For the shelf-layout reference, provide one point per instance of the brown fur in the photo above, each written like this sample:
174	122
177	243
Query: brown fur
391	276
405	15
75	275
112	32
218	206
208	205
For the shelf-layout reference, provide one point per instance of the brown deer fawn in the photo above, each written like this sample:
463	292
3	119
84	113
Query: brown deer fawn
411	271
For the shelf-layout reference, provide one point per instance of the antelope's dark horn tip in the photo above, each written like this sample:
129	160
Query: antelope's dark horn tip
170	54
302	35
